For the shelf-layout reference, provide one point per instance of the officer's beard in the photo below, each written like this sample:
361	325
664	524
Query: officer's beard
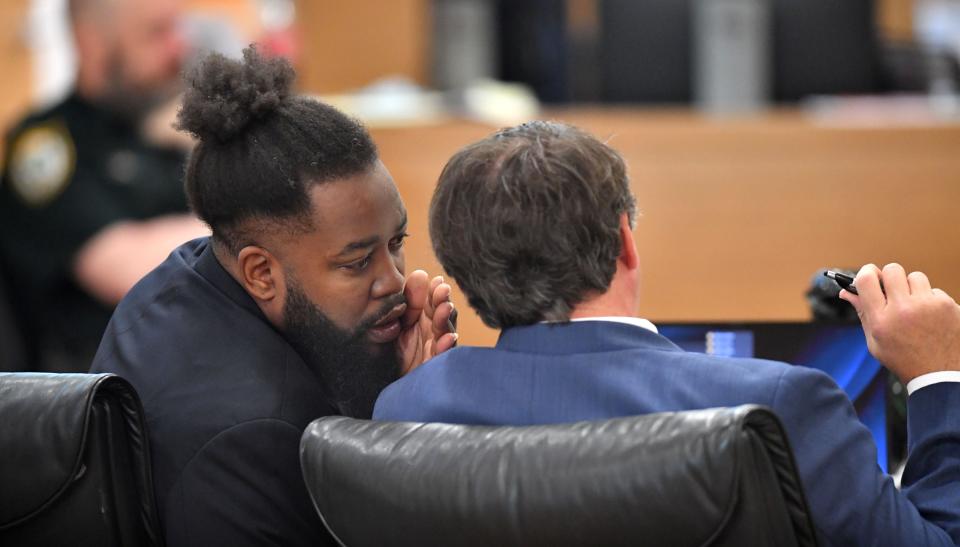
129	102
352	369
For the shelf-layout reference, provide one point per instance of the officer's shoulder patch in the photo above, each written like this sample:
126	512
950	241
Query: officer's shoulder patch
41	164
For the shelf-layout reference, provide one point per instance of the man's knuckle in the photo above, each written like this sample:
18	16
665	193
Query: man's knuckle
945	304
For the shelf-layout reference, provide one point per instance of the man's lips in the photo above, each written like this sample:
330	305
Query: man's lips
388	328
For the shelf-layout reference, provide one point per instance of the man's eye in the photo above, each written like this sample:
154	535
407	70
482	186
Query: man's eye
359	265
397	242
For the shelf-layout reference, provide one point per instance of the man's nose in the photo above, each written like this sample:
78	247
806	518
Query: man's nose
389	279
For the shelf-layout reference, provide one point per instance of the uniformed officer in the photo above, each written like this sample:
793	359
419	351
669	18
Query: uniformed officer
91	196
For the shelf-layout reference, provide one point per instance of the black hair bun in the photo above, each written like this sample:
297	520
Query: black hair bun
223	95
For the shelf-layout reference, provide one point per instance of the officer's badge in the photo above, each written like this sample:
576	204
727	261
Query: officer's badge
42	160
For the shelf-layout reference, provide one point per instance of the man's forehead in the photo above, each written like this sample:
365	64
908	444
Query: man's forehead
357	207
371	189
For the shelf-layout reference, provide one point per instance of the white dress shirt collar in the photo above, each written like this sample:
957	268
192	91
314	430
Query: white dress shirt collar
635	321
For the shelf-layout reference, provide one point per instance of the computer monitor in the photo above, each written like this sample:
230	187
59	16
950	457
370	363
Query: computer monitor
839	349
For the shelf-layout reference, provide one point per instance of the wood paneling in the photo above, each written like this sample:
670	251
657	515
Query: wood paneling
737	216
895	19
15	65
347	45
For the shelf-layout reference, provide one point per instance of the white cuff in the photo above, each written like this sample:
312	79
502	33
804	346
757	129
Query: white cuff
931	378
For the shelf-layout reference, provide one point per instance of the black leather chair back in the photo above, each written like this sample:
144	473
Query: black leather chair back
709	477
74	462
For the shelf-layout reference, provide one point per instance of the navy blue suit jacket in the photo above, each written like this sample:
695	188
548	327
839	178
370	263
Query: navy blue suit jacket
597	369
226	400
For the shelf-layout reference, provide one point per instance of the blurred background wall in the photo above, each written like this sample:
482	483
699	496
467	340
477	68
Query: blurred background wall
742	200
559	47
347	45
343	46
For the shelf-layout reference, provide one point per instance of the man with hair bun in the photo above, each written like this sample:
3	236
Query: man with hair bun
295	308
535	223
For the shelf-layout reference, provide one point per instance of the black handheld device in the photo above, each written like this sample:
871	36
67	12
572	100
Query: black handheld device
844	280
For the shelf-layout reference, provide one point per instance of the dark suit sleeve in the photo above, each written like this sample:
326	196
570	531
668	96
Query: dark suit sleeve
244	488
931	479
853	502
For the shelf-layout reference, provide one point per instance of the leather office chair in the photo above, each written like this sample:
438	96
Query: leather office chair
74	462
708	477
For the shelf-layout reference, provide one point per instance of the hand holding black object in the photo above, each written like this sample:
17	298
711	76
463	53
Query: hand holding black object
911	328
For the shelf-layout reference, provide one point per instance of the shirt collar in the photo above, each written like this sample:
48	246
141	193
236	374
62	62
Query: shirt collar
635	321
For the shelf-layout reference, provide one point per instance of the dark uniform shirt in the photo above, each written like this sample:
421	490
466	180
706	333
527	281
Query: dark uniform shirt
69	172
226	400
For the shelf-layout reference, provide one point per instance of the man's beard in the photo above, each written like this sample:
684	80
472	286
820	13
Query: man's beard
129	102
352	370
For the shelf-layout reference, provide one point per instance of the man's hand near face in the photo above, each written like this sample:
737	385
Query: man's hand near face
911	328
430	322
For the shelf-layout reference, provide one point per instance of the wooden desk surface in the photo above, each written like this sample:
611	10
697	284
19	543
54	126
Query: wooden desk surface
738	215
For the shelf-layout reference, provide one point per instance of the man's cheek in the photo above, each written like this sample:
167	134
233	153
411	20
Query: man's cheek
341	318
344	304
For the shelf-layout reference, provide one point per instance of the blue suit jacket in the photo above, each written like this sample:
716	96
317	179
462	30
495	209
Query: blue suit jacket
593	370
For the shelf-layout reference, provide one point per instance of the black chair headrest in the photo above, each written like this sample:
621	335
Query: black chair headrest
683	478
43	434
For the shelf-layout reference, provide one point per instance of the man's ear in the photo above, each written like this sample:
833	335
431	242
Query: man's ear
260	274
628	247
